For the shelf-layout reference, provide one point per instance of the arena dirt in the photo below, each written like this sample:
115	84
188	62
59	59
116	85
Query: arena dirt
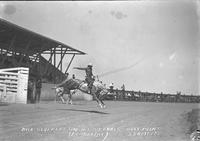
84	121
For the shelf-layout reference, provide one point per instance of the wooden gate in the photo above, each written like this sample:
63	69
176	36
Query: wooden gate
14	85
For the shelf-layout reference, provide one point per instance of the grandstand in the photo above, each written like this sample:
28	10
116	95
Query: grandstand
20	47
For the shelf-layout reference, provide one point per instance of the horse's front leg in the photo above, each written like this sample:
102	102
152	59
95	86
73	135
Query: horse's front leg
100	102
103	105
101	97
94	93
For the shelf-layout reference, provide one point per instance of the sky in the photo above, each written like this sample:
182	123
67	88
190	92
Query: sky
148	46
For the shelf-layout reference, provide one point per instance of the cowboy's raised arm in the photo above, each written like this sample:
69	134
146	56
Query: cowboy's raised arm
78	68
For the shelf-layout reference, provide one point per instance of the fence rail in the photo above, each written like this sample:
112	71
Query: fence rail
151	97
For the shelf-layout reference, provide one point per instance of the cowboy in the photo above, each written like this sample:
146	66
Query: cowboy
38	86
89	76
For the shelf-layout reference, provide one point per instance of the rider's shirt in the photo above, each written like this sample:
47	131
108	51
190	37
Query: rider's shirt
89	75
88	71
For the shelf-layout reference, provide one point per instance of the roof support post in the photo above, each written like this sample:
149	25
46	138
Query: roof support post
39	53
12	42
49	61
54	70
61	59
38	57
69	63
9	48
54	52
25	52
4	56
14	58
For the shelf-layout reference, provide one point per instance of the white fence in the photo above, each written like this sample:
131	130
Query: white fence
14	85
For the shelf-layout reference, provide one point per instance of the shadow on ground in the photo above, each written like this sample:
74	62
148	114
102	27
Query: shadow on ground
78	104
4	104
87	111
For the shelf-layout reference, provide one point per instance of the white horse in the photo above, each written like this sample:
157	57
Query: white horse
69	86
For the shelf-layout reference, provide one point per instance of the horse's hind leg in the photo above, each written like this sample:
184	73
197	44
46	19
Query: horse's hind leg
103	105
69	99
102	97
60	93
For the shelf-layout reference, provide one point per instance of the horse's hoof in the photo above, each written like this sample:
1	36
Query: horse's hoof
102	106
70	102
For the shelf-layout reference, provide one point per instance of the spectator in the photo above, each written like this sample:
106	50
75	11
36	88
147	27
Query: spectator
111	88
38	89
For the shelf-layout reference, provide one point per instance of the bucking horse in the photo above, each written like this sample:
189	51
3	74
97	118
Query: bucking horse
70	85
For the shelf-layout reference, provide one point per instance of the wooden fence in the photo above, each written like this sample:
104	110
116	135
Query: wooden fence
152	97
14	85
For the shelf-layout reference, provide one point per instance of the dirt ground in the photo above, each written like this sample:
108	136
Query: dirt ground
84	121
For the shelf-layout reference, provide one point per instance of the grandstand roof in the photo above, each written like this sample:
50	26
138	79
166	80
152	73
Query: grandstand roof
18	39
